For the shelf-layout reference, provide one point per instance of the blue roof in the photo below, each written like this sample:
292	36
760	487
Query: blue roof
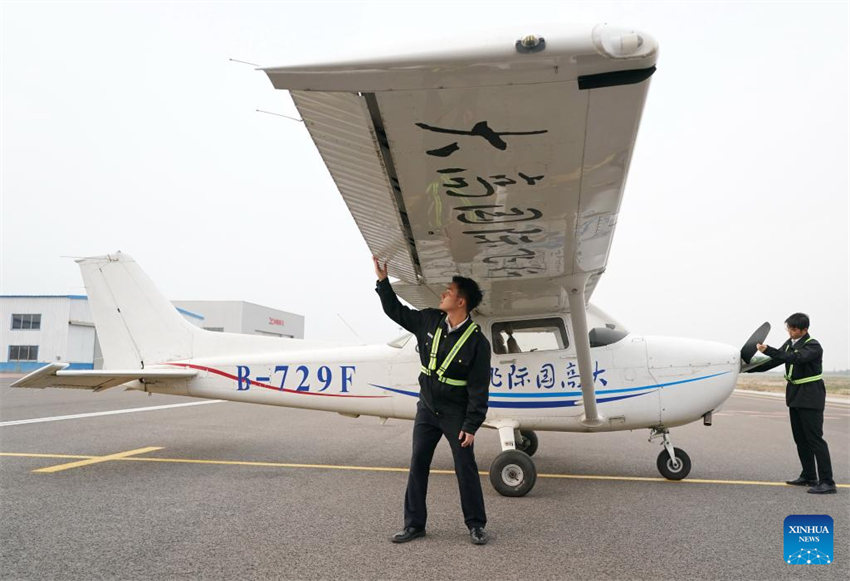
77	297
190	313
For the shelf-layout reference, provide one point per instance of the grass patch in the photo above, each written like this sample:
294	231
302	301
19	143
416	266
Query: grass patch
835	384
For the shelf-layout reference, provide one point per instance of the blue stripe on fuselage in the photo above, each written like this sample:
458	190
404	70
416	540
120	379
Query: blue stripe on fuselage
562	403
605	391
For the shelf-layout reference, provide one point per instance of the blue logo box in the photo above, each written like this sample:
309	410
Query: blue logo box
808	539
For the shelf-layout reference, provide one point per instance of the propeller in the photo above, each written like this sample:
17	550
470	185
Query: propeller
749	348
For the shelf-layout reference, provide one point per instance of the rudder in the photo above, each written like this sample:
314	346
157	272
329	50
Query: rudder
136	324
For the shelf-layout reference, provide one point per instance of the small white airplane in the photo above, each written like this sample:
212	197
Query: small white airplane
505	163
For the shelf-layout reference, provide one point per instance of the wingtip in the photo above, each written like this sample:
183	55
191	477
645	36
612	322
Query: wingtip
47	370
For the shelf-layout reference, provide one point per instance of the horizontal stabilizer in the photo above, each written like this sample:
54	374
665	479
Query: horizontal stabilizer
55	375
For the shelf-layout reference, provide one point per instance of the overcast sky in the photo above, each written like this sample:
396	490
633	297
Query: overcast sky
125	126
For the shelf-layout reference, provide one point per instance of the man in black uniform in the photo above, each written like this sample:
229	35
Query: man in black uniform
454	384
805	396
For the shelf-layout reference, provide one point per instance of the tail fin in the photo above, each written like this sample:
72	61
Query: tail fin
135	324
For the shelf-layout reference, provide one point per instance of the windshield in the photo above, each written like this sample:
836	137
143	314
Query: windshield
401	341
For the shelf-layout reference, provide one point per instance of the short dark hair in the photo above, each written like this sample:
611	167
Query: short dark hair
798	321
468	289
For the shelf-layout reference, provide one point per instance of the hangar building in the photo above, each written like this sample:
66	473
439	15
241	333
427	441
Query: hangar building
40	329
243	317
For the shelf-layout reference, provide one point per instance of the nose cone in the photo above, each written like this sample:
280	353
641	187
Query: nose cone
694	376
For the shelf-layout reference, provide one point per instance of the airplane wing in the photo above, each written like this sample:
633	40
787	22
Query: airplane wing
505	163
55	375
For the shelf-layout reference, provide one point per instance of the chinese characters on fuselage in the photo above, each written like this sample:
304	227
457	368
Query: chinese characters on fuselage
548	376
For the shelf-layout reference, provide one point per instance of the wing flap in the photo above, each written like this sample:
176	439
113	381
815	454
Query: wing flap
345	135
55	375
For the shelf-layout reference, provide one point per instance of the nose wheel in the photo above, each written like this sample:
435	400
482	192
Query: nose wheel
672	463
675	468
512	473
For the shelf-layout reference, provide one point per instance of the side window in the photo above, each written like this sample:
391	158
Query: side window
26	321
530	335
23	352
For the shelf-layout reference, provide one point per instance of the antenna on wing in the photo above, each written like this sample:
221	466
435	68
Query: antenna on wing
279	115
233	60
350	328
243	62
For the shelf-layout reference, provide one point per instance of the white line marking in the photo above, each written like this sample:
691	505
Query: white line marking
109	413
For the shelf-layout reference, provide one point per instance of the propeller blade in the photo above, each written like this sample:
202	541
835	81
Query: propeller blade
749	348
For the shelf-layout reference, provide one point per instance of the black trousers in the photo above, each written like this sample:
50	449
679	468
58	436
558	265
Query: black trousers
428	428
807	427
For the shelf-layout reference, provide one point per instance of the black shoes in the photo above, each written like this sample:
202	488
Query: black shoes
822	488
478	535
408	534
800	481
816	487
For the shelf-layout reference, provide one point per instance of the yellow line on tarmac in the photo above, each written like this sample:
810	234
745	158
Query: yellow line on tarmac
283	465
435	471
96	460
19	455
131	456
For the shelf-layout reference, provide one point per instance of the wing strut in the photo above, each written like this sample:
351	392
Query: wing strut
581	340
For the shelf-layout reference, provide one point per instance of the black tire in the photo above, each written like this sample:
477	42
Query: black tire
512	473
528	442
668	469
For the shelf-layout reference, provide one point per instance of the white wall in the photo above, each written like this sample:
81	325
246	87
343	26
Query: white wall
259	320
51	338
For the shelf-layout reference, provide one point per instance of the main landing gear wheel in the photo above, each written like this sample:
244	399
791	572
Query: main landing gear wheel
674	468
527	442
512	473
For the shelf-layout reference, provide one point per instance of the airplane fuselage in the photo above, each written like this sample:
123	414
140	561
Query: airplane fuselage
640	382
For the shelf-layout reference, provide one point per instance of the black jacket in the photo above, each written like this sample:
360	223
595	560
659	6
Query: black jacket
807	358
471	363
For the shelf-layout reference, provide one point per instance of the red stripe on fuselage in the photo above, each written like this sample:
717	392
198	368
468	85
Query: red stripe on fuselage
267	386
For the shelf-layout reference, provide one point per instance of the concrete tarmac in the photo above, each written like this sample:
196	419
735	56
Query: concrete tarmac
238	491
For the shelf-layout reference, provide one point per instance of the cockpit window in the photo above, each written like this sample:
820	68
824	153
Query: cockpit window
530	335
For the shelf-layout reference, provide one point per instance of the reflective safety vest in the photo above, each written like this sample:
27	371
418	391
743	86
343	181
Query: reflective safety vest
432	361
802	379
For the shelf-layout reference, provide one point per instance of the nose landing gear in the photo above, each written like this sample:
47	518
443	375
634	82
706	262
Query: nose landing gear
526	441
672	463
512	472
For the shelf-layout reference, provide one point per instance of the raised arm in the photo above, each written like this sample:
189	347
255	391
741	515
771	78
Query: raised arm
410	319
